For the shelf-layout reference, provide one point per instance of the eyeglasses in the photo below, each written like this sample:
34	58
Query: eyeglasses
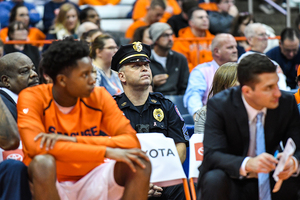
262	35
111	48
166	35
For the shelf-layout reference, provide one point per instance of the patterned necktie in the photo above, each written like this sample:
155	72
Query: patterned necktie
263	178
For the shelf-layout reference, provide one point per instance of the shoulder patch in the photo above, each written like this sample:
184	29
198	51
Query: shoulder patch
154	101
123	104
178	113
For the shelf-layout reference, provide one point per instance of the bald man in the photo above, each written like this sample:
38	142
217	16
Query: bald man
224	50
16	72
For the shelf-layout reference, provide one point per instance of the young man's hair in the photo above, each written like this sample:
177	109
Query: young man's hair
191	11
188	5
159	3
251	66
289	33
84	14
63	54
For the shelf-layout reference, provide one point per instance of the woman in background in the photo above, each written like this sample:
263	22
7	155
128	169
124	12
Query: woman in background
66	24
102	50
225	77
141	34
20	13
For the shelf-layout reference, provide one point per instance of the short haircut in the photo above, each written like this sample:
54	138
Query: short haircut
13	12
192	10
63	54
250	29
253	65
289	33
159	3
84	13
89	33
188	5
99	43
16	25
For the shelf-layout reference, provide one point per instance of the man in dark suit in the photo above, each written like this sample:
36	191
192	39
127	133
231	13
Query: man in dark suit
231	163
16	73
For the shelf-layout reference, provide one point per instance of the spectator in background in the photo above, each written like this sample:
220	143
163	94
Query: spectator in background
180	21
102	50
18	31
224	78
237	30
170	69
220	21
141	7
224	50
195	52
257	38
153	14
141	34
6	6
51	10
85	27
287	55
98	2
20	13
89	14
1	48
66	24
90	36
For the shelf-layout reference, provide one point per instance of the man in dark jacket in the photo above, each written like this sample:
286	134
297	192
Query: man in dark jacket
169	69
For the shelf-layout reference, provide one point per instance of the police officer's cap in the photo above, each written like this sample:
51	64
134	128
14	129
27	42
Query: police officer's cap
131	53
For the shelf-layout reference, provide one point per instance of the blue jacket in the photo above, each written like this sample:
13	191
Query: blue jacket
6	6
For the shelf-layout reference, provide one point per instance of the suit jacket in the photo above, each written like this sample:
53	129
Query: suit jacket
226	137
10	103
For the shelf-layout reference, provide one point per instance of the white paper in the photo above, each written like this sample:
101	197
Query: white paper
289	150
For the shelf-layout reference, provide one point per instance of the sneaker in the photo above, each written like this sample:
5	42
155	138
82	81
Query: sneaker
267	8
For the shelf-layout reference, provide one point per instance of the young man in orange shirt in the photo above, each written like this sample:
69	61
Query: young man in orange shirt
65	120
196	52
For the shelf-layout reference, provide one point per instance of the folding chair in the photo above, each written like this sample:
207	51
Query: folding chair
196	158
164	159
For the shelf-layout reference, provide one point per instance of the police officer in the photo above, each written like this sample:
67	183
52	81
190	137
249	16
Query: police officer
147	112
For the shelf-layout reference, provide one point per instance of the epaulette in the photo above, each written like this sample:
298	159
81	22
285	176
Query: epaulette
157	94
117	96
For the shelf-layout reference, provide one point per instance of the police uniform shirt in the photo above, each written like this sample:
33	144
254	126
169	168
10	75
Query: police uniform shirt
158	114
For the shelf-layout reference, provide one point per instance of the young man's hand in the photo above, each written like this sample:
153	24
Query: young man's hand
49	139
263	163
128	156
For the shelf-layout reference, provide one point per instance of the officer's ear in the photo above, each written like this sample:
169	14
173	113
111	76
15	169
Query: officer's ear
122	75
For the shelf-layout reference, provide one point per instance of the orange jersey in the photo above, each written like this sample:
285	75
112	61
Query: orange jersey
38	113
98	2
131	29
297	96
140	9
211	6
33	34
195	53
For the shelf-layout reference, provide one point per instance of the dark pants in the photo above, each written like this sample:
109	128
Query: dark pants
217	185
14	183
175	192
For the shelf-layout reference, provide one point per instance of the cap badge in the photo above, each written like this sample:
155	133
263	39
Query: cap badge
137	46
158	114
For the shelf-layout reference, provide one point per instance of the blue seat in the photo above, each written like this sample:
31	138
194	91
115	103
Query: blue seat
178	101
186	163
